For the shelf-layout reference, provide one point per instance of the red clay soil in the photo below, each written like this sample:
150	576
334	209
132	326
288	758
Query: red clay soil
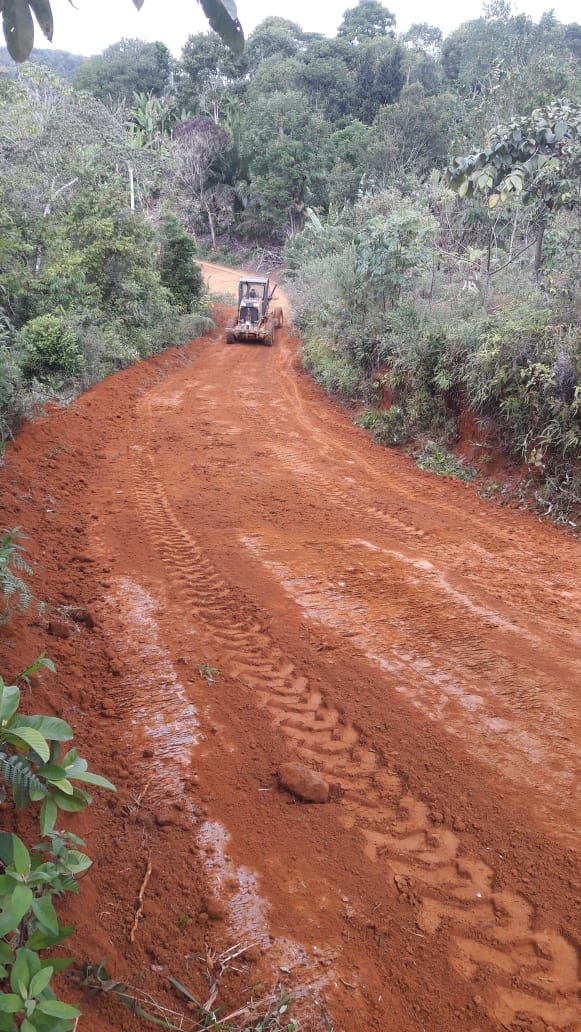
263	585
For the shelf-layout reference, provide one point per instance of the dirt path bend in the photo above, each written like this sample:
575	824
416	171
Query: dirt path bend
266	585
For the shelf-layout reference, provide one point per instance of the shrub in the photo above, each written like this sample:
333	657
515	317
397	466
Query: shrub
177	269
369	419
10	382
35	769
392	427
436	459
49	346
332	369
12	565
526	371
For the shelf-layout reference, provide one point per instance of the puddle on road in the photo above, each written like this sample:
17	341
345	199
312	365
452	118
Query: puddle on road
237	888
149	692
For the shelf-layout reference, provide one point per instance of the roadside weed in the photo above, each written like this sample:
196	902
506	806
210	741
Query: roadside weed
208	672
33	771
12	564
436	459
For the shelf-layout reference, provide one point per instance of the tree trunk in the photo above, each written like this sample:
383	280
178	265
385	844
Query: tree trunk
212	230
131	186
539	251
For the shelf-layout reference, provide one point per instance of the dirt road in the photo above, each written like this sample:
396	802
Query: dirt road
266	585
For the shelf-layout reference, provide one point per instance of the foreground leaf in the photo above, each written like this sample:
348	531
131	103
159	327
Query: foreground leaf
222	16
43	14
18	28
58	1009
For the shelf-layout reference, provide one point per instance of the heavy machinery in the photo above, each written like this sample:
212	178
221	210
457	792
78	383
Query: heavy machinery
257	320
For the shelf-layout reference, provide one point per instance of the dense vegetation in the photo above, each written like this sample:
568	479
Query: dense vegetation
87	283
425	193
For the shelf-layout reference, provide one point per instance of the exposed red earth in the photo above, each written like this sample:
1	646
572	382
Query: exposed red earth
264	586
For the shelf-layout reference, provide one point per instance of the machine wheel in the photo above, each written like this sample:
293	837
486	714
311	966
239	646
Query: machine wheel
268	336
230	338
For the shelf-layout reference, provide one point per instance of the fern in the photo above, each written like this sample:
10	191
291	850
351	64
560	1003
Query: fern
15	771
12	560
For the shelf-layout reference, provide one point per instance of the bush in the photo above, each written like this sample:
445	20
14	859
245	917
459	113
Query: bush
10	381
177	269
526	371
436	459
49	346
392	427
330	368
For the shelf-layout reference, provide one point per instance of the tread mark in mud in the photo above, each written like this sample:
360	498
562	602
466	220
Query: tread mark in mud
533	973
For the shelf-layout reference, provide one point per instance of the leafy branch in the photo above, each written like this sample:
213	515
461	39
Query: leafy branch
18	23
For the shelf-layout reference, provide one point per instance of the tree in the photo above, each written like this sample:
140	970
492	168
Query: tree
76	245
424	37
390	247
411	136
537	157
274	37
177	269
207	63
368	20
196	146
209	75
347	162
128	67
274	75
380	76
284	140
328	77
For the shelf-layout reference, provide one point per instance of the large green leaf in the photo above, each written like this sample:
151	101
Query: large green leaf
57	1009
19	904
77	861
27	736
53	728
93	779
48	816
222	16
21	901
9	701
18	28
40	981
10	1003
21	856
22	969
45	913
6	847
43	14
42	939
71	804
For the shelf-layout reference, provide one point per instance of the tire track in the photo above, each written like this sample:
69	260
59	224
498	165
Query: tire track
531	972
531	572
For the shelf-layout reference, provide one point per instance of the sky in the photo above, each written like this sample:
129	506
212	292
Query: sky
92	25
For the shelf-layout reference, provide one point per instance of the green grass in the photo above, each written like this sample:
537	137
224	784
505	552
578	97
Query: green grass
436	459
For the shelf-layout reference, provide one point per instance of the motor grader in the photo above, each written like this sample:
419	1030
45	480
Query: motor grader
256	320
